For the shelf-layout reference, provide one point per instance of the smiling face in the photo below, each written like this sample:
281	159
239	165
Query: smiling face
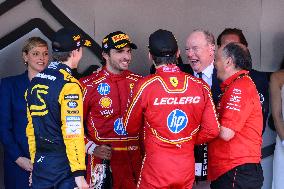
36	58
199	52
118	60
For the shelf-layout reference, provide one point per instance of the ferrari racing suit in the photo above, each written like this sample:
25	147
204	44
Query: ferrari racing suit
105	101
177	112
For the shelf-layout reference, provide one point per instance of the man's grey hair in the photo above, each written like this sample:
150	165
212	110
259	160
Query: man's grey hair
208	36
239	54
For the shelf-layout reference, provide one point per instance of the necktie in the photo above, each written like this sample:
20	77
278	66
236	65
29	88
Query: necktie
199	75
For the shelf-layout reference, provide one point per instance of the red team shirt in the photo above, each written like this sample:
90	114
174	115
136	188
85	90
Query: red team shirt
239	109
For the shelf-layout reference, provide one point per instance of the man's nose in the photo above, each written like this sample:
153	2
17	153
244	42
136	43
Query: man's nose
127	56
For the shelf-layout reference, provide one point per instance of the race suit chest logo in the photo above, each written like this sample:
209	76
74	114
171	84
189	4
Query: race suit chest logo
119	127
72	111
73	126
234	102
72	104
105	102
177	121
71	97
103	89
106	113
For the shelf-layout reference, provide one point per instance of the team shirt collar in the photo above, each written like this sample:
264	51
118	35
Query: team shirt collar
231	79
169	68
113	76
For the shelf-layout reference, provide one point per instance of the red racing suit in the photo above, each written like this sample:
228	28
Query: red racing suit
177	112
106	96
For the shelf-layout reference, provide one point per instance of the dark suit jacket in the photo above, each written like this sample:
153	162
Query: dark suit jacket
215	88
260	79
13	123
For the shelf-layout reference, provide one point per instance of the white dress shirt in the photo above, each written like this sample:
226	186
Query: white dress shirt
207	74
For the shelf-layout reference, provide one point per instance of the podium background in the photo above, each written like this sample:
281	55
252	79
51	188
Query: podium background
260	20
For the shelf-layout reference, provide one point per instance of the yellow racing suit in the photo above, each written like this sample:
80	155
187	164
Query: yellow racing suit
55	128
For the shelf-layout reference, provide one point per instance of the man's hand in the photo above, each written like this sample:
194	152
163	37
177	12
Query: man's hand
25	163
81	182
102	152
226	133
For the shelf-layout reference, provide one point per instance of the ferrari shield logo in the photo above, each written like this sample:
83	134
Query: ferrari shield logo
131	85
174	81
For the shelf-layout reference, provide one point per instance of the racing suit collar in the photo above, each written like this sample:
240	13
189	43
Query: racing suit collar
169	68
65	67
59	65
231	79
114	77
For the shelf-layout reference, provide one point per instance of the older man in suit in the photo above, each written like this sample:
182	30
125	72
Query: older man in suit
200	52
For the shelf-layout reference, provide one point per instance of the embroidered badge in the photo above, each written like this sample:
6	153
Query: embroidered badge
174	81
177	121
103	89
118	127
105	102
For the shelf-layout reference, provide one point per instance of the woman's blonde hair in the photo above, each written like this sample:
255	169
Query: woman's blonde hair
33	42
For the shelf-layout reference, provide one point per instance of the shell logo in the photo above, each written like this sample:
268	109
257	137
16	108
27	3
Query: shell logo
105	102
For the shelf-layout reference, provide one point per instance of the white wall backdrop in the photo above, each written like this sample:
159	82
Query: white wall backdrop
260	20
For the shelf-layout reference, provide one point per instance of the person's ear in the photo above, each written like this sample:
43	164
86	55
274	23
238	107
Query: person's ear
25	56
212	49
73	53
150	56
229	62
178	53
105	55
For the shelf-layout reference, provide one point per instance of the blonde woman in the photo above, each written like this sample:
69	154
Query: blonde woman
13	115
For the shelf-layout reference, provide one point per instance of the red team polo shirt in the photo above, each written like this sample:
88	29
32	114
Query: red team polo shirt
240	110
